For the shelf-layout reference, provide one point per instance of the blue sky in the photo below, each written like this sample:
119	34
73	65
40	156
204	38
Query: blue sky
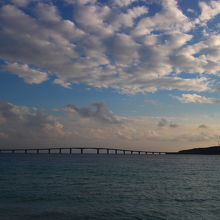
123	72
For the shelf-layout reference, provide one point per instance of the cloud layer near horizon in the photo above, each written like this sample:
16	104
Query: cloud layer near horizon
116	44
97	125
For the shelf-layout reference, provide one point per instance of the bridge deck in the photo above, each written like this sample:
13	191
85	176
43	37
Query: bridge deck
81	150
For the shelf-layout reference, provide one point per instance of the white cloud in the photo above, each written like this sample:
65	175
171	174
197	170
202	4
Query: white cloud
30	75
123	3
169	19
62	83
109	46
194	98
208	10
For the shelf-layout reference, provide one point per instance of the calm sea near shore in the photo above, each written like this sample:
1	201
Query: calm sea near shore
109	187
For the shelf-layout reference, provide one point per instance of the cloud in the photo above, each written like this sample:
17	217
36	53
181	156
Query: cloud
118	44
30	75
97	110
194	98
21	3
21	125
165	123
203	126
208	10
96	125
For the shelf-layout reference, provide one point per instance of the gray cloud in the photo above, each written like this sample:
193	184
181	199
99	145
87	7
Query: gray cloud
203	126
98	111
23	125
165	123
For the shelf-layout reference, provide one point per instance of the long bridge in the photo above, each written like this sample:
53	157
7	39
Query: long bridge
80	150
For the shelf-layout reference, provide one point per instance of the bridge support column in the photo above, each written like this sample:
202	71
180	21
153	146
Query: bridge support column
25	151
123	151
37	151
60	150
139	152
116	151
81	150
97	150
70	150
107	151
131	152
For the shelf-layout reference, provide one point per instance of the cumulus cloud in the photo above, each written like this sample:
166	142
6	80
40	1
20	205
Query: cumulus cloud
116	44
208	10
22	125
194	98
30	75
97	110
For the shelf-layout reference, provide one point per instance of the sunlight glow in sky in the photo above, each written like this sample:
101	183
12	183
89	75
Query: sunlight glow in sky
121	73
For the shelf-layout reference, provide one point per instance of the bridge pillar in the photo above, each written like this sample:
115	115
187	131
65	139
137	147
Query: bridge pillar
131	152
81	150
60	150
107	151
123	151
48	151
13	151
70	150
116	151
97	150
37	151
25	151
139	152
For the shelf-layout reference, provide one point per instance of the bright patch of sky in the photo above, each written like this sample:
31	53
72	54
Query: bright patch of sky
110	63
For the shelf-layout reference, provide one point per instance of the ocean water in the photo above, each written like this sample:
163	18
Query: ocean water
109	187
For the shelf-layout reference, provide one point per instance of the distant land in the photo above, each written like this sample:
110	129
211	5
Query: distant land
214	150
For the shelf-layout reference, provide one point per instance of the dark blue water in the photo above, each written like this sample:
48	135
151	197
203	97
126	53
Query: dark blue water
109	187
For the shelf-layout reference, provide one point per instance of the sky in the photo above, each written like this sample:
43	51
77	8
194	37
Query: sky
121	73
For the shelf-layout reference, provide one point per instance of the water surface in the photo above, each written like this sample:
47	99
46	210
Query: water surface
64	187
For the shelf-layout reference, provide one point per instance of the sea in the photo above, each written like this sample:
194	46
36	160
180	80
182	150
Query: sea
109	187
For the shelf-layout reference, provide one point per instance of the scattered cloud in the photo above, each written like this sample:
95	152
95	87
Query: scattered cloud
111	44
30	75
194	98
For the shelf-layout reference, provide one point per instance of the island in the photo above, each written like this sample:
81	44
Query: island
214	150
